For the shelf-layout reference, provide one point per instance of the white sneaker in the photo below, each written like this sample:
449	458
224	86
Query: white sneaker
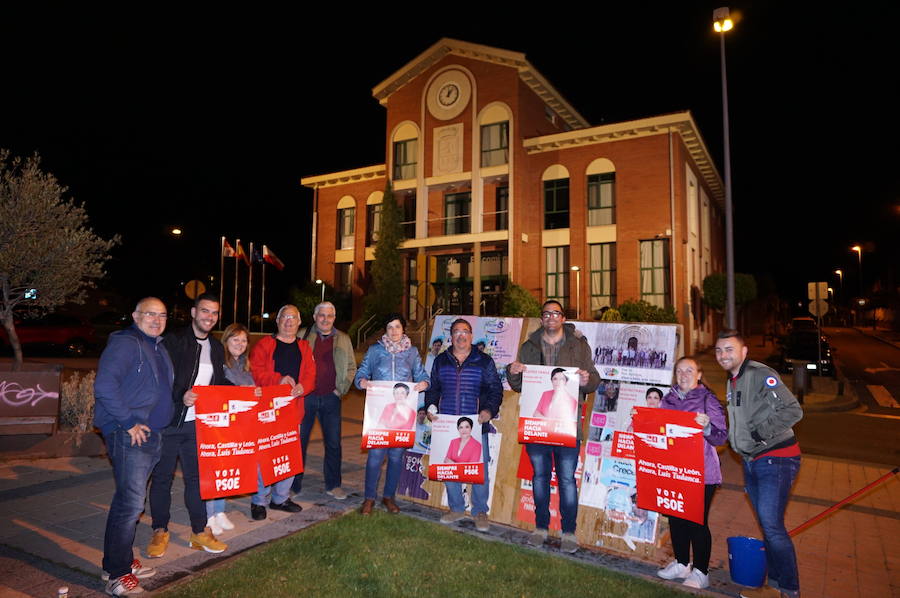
213	524
674	570
337	493
697	579
224	522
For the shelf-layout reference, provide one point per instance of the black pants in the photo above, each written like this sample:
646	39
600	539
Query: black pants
687	534
177	444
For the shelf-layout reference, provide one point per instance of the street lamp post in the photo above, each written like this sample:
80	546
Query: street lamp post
858	250
321	282
577	271
721	23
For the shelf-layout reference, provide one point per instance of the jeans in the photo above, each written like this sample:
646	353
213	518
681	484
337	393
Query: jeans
543	457
373	471
479	491
131	469
216	505
328	408
178	444
278	492
768	482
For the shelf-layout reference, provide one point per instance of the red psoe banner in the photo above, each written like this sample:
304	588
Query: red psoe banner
226	440
278	438
623	445
456	449
389	420
668	447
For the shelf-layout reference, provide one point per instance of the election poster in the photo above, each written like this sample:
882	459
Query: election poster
548	406
422	443
226	440
635	523
494	438
632	352
389	420
668	447
525	511
412	476
278	439
440	339
456	452
498	338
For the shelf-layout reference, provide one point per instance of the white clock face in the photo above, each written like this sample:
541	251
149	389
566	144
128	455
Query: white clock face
449	94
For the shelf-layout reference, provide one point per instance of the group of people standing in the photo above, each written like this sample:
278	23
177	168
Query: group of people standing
145	410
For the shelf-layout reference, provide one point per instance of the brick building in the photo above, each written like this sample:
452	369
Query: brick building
500	178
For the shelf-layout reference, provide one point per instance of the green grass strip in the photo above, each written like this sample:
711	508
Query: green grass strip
384	555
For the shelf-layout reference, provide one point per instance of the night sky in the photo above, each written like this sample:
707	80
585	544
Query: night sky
208	121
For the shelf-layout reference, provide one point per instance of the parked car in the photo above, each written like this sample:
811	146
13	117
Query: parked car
803	345
56	331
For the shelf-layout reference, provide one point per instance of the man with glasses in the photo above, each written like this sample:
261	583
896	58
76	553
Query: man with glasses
282	359
335	370
465	381
199	360
133	392
555	343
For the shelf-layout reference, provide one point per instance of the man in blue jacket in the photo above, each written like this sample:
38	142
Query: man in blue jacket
464	380
133	393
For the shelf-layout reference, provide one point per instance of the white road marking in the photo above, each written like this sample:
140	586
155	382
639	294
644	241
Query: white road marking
885	368
882	396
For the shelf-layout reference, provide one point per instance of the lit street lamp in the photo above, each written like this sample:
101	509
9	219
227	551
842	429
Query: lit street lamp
321	282
858	251
577	271
721	23
840	274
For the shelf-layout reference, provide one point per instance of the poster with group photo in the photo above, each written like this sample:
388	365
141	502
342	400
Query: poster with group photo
226	440
668	448
278	438
634	352
440	338
456	452
499	339
548	406
390	415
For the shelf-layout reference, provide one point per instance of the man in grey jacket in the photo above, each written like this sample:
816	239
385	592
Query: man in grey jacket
761	411
335	370
555	343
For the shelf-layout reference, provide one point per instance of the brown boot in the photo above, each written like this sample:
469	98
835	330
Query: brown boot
390	505
366	508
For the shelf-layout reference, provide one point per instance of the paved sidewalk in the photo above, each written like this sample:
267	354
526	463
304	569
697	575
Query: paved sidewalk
53	511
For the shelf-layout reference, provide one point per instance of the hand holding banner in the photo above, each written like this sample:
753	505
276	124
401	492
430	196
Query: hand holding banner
668	447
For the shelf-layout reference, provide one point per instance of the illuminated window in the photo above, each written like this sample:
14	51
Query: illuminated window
603	275
557	276
601	199
346	227
405	159
495	144
655	272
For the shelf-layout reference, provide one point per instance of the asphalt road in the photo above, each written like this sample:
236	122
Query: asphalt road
870	433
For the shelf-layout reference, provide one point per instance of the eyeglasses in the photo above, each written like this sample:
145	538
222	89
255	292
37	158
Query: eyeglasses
551	315
153	314
460	332
289	317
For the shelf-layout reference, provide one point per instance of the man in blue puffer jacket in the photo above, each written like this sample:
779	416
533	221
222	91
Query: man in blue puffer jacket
464	380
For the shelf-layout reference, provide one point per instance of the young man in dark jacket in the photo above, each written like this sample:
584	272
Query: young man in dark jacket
199	360
556	343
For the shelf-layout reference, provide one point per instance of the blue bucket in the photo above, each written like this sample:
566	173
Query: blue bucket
747	561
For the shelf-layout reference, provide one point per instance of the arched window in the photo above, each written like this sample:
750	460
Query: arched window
346	220
556	197
601	192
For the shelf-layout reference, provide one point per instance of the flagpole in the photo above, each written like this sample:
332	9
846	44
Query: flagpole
250	287
221	275
236	260
262	297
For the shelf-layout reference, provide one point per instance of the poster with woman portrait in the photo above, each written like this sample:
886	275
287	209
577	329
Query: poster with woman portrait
456	453
390	416
548	407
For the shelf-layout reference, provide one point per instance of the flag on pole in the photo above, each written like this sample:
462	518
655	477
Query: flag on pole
241	254
271	258
227	249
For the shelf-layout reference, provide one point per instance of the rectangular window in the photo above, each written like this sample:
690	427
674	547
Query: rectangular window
346	227
557	277
495	144
556	204
601	199
405	159
373	223
502	208
344	277
457	207
408	209
603	276
655	272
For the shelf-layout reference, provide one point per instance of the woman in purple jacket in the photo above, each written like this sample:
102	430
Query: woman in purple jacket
689	394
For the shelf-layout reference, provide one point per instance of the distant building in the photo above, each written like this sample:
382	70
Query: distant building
500	178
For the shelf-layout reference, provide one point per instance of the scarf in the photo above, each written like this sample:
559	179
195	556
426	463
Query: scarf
402	345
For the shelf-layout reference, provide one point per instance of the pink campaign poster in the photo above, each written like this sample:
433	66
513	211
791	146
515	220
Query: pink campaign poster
390	416
548	406
456	452
668	448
